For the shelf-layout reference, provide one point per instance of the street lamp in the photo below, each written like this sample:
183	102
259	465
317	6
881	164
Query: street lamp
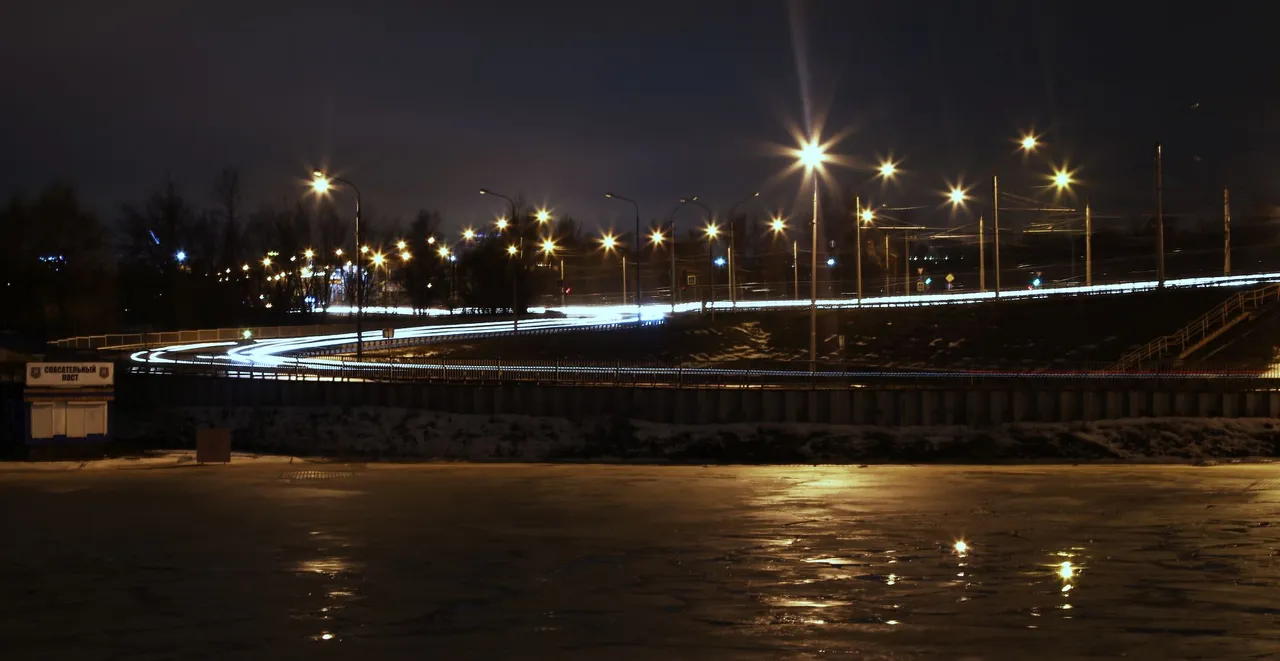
514	252
321	184
811	155
1029	142
609	243
548	247
886	171
502	224
543	216
615	196
469	234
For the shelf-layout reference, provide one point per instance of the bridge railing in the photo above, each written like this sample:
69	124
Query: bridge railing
742	375
123	341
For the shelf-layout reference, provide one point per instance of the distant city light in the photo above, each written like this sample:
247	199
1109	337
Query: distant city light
720	261
502	223
778	225
308	253
443	251
181	256
468	234
831	261
511	250
1029	142
888	169
543	215
400	244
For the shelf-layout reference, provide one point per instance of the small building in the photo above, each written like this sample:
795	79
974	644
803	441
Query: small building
68	403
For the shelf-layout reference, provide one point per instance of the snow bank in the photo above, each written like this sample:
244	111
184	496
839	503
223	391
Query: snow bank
411	433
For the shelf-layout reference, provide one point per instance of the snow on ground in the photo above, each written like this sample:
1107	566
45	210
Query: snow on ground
391	433
148	459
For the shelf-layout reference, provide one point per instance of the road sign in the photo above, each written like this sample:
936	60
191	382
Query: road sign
691	280
950	278
920	285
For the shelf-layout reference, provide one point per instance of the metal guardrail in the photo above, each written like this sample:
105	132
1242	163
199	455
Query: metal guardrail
781	374
1201	328
373	345
165	338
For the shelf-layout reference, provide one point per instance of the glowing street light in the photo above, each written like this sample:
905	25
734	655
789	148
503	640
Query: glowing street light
244	267
1062	179
266	261
308	253
957	196
400	245
364	250
1029	143
338	252
322	183
469	234
378	259
548	247
888	169
656	237
778	225
502	224
443	251
181	256
711	230
511	250
867	215
608	242
543	216
811	155
405	255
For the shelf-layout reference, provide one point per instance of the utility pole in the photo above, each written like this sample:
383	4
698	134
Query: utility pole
1226	232
995	229
624	279
857	238
562	303
795	267
673	266
982	257
1088	245
1160	214
733	297
813	279
906	262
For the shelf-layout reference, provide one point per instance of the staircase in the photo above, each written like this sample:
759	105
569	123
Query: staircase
1201	331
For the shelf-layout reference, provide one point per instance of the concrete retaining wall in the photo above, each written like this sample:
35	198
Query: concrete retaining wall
857	406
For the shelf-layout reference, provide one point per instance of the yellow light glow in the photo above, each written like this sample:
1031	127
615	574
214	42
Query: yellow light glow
543	215
548	246
502	223
608	242
1062	179
405	256
378	259
400	244
266	261
867	215
244	268
364	249
431	240
957	195
962	547
443	251
778	225
468	234
888	169
511	250
657	238
1029	143
712	230
308	253
1066	570
811	155
320	183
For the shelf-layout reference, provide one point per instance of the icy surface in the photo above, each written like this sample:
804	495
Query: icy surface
451	561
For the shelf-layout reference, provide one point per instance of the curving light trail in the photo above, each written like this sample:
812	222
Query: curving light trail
282	352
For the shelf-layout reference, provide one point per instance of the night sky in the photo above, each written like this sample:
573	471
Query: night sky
421	106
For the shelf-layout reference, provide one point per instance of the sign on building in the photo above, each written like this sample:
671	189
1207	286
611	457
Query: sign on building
70	375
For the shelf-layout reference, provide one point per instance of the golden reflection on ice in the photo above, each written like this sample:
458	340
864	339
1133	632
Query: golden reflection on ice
807	603
961	547
1066	570
327	566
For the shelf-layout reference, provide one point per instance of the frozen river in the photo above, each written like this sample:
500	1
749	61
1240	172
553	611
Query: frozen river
623	562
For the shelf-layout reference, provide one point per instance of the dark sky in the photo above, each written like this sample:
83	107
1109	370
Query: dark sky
561	101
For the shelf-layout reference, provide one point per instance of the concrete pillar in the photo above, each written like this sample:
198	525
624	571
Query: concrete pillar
1091	404
929	407
885	408
997	406
1161	405
1046	407
952	412
838	403
793	403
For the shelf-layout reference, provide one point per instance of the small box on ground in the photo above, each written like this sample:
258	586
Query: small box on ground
213	446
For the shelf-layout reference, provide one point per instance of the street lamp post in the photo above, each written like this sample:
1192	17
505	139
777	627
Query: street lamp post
615	196
886	171
519	252
812	156
712	230
322	184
